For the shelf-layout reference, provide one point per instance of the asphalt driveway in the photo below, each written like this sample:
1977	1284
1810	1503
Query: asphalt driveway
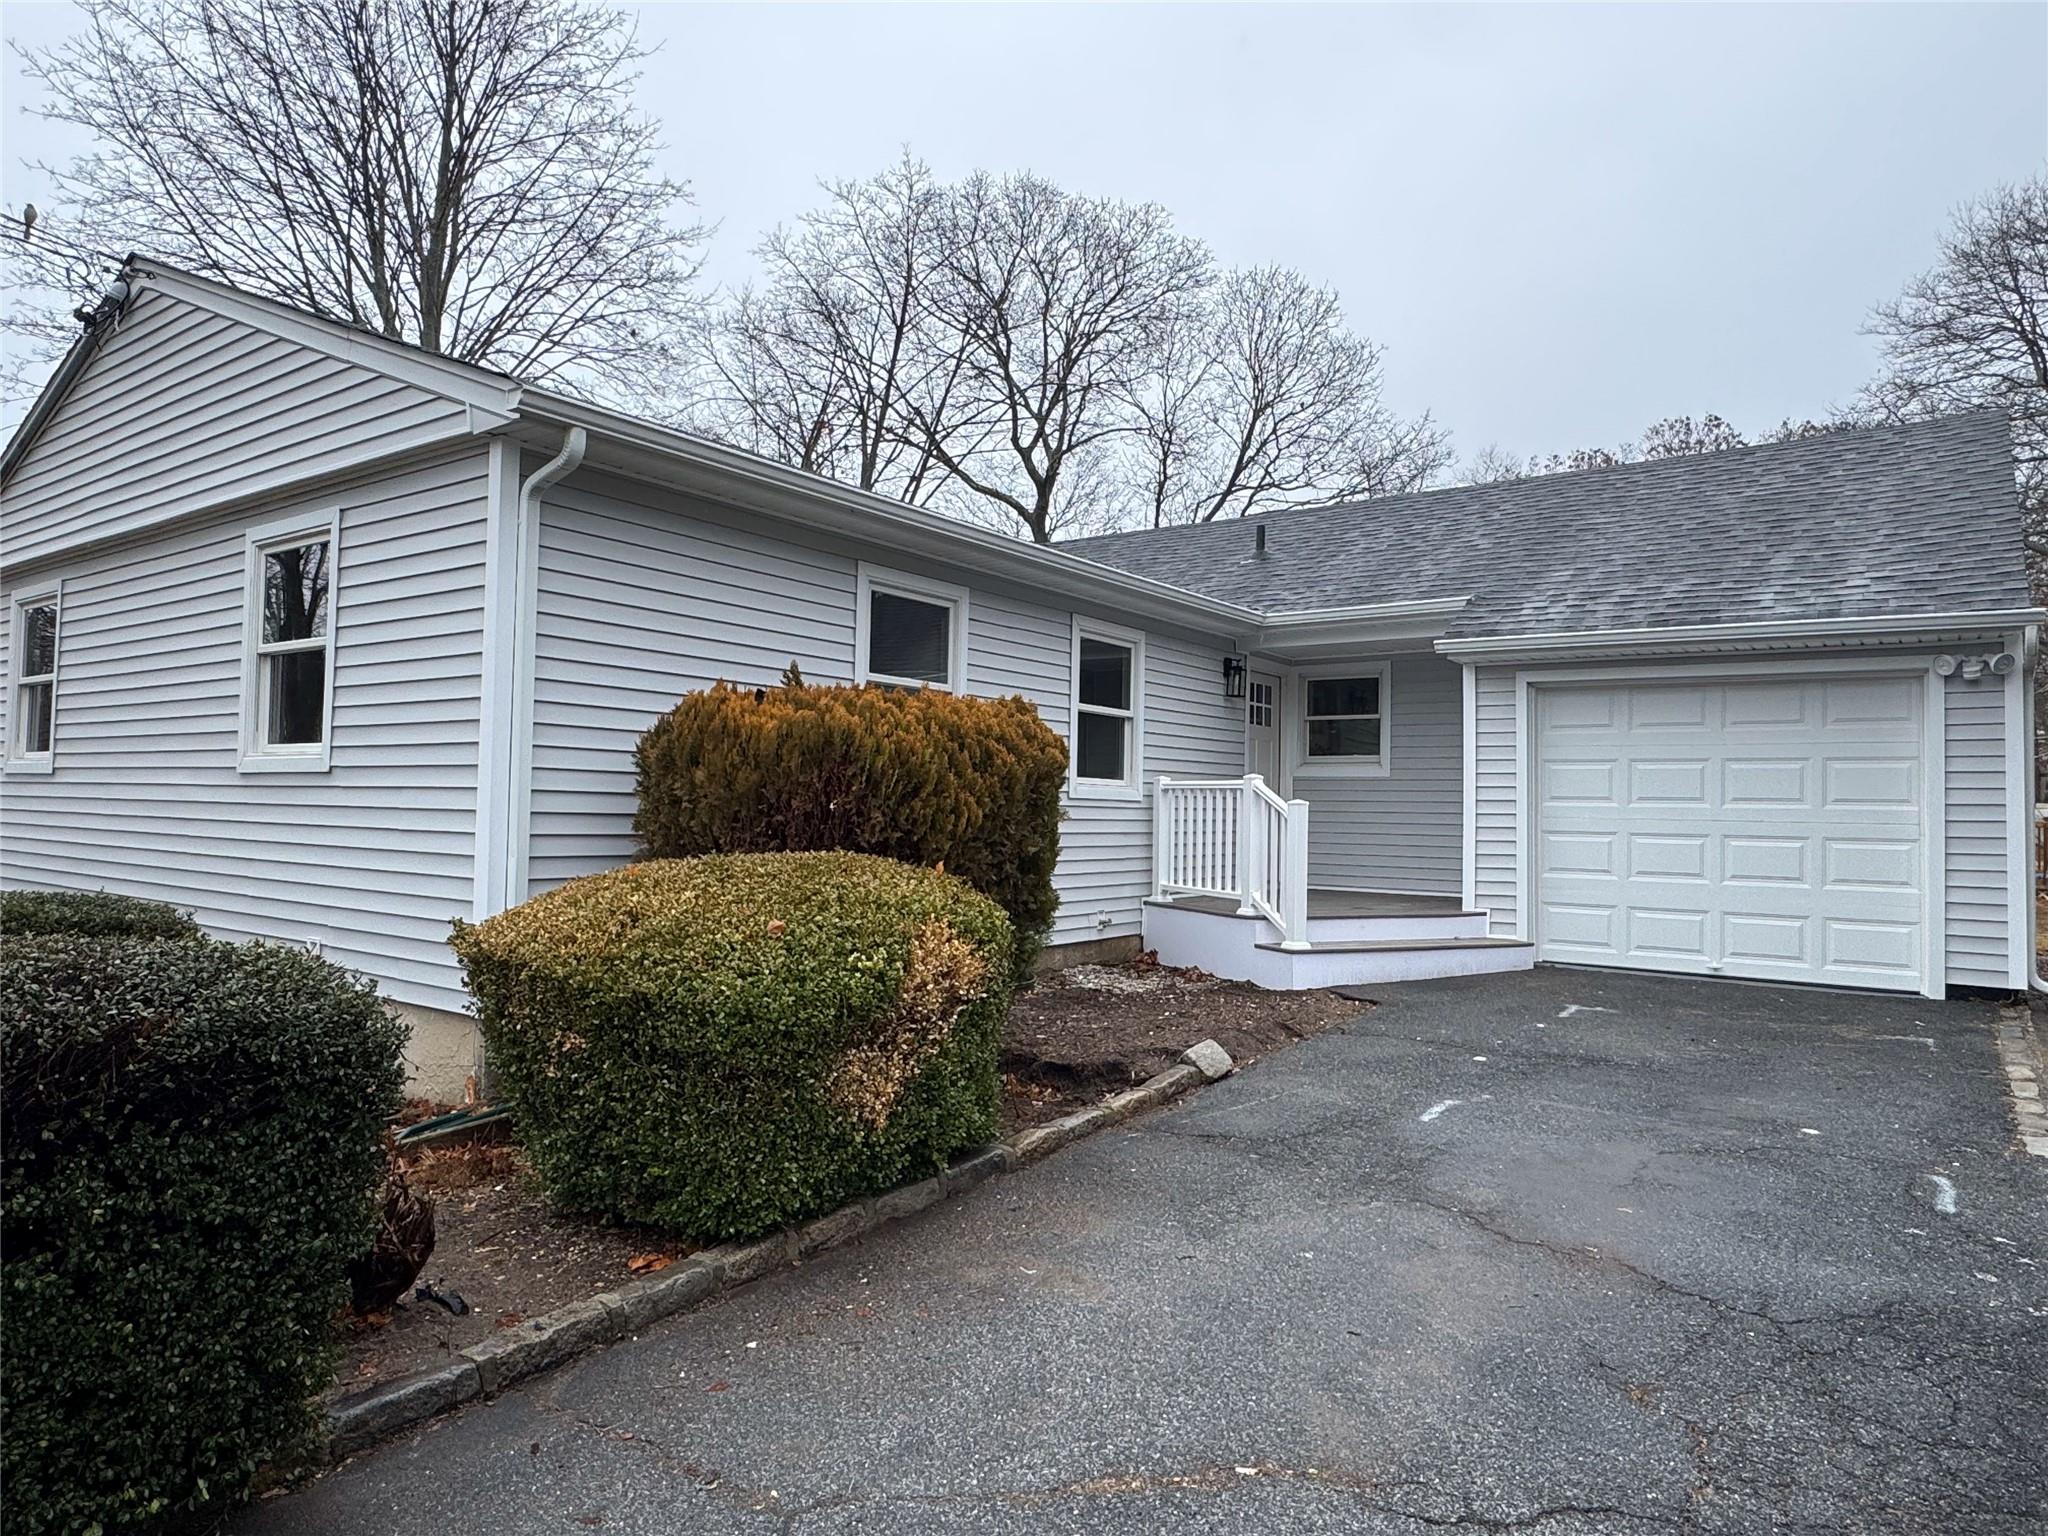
1566	1252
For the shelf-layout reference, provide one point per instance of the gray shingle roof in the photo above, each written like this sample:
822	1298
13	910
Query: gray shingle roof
1886	520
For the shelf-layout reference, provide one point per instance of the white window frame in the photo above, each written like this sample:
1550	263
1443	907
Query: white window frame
871	579
1354	767
257	756
1132	785
44	595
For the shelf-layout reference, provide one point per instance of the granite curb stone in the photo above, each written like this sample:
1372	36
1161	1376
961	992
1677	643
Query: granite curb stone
540	1344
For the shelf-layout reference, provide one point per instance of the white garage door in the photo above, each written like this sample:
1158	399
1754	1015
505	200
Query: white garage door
1762	829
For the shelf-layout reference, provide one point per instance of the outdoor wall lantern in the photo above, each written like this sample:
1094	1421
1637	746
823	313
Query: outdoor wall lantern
1233	677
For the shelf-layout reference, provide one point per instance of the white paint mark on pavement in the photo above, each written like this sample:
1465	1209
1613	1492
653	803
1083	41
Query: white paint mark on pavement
1438	1108
1926	1040
1571	1008
1807	1130
1944	1194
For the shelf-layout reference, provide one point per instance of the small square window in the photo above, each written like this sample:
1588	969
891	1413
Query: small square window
911	632
909	639
1344	720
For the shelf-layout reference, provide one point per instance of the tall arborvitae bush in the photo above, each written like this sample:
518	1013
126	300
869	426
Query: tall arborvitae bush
926	778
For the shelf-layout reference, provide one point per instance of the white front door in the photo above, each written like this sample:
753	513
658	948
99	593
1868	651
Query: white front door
1262	727
1773	830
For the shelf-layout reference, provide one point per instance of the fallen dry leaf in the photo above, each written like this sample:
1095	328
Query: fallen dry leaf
719	1386
509	1320
649	1263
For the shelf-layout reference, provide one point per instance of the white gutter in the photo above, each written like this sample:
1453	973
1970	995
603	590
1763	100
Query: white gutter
1412	608
526	600
928	533
1873	626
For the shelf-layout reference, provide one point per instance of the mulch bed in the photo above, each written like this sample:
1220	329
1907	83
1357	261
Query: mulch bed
1074	1037
498	1246
1083	1033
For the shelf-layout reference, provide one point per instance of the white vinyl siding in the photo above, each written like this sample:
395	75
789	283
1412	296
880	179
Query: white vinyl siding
1495	791
369	860
1975	847
1975	810
182	408
1400	828
644	596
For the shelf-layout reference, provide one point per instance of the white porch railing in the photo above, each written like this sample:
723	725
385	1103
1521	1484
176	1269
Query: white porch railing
1235	839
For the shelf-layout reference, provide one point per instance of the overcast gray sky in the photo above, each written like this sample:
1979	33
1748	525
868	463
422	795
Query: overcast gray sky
1563	222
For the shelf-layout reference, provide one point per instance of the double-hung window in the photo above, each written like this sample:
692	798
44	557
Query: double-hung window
1108	710
288	650
1344	721
32	701
910	632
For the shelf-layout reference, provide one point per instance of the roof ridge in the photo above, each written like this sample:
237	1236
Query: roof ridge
1835	438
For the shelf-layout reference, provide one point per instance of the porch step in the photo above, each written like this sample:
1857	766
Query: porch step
1387	950
1386	946
1398	926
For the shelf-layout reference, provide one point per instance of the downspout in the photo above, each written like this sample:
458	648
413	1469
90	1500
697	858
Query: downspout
526	600
2030	659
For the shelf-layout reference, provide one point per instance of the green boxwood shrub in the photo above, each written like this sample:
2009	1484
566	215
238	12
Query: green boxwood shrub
190	1140
724	1044
930	778
99	914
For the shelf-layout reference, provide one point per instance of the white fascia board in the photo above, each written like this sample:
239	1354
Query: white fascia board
1756	635
738	478
1304	634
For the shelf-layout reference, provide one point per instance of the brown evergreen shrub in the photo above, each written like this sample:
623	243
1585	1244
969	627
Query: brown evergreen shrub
929	778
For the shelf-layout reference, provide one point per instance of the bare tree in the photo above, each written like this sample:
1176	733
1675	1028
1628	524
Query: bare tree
1058	306
832	363
1671	438
1972	332
466	175
1262	400
1014	353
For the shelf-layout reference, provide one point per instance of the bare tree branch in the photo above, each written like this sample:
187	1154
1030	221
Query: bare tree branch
466	175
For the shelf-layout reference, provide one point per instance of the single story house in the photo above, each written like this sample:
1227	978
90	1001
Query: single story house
333	641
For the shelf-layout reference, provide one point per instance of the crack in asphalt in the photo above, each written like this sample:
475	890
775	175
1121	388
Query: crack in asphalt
1219	1478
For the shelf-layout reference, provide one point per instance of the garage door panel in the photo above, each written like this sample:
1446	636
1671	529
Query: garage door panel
1876	700
1589	928
1771	706
1760	781
1866	782
1665	709
1866	864
1669	856
1768	938
1770	829
1892	948
1667	783
1574	855
1668	932
1580	783
1752	860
